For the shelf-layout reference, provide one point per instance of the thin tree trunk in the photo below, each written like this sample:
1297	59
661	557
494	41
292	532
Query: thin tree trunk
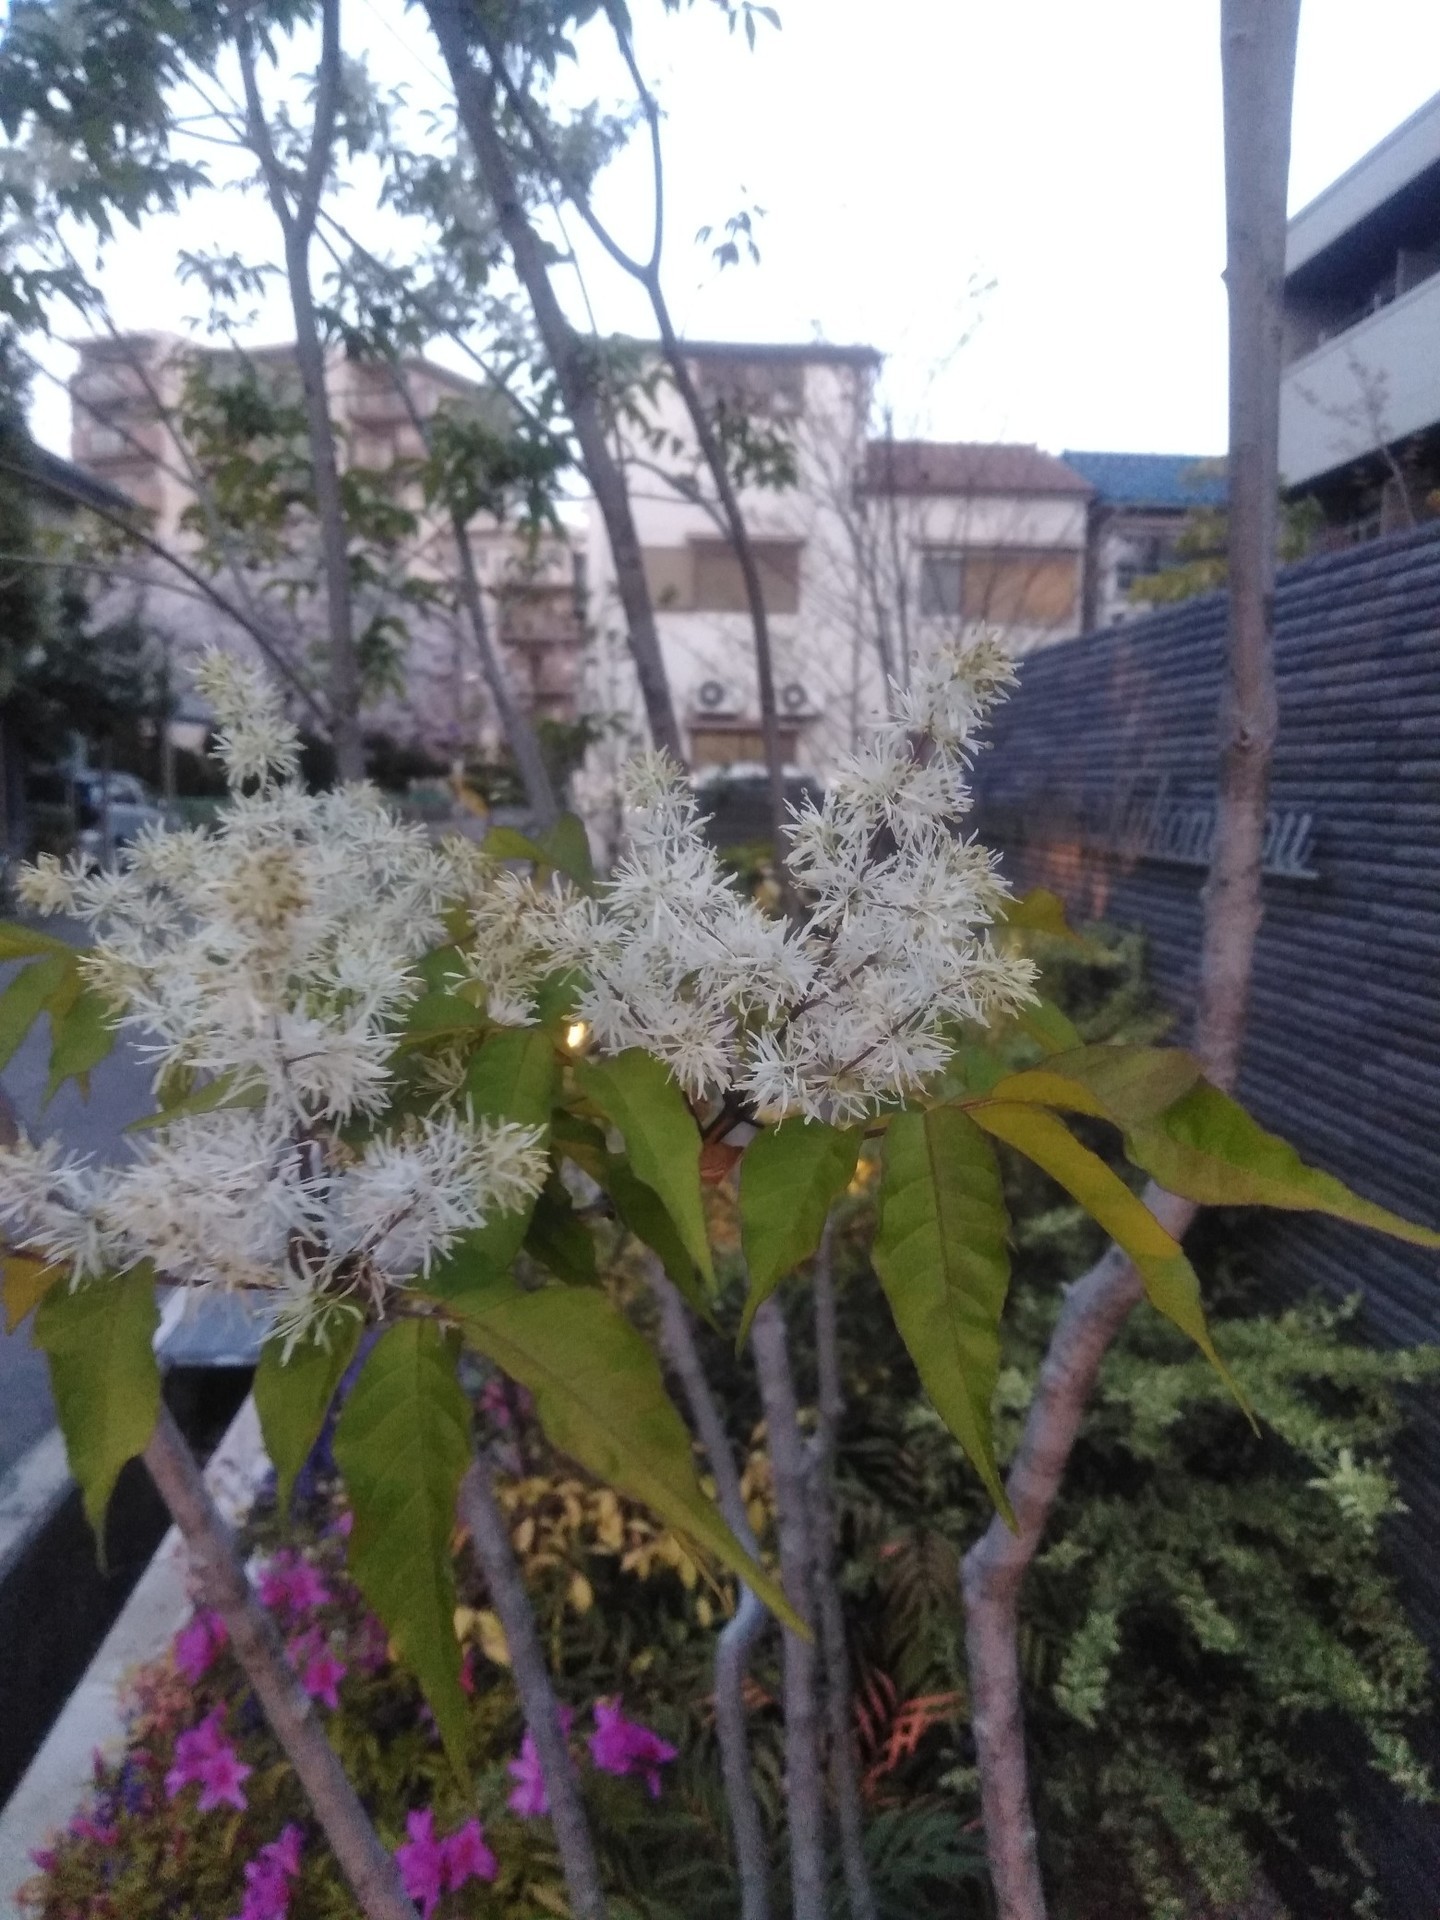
804	1788
1258	61
574	361
297	225
844	1768
738	1636
480	1512
373	1876
519	732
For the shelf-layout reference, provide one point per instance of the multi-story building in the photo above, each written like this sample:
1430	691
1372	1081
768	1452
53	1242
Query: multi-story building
1139	506
129	400
869	551
1360	394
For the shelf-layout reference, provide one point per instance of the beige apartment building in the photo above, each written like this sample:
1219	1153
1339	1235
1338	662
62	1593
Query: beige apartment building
127	397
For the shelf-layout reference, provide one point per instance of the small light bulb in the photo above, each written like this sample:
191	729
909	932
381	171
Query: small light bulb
576	1034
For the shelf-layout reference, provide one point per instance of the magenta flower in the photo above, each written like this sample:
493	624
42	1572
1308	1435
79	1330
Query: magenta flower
467	1857
422	1862
102	1833
320	1672
622	1746
198	1645
531	1797
268	1877
371	1646
291	1585
205	1758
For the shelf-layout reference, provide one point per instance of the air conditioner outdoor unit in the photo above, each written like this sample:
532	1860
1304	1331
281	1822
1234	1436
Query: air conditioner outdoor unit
716	701
795	701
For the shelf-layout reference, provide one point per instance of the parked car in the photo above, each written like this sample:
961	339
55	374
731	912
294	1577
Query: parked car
130	804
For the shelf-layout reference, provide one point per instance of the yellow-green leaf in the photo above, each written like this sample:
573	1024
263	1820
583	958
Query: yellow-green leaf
24	943
80	1038
1125	1085
403	1442
558	1238
640	1209
293	1396
789	1179
940	1251
1169	1279
103	1372
27	997
1039	911
215	1096
511	1076
600	1397
1208	1148
25	1280
1048	1027
638	1094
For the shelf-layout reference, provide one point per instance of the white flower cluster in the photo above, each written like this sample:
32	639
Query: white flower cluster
833	1020
272	955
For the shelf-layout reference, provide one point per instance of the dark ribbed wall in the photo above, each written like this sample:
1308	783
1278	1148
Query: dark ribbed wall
1343	1054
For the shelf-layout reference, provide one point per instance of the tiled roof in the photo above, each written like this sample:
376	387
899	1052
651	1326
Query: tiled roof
808	352
1177	480
966	467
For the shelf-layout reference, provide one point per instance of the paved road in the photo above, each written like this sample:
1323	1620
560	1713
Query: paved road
119	1093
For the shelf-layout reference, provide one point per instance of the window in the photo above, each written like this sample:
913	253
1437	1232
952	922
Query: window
718	585
942	586
774	388
1023	589
716	744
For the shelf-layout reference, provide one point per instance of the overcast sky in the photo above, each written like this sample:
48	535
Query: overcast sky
907	152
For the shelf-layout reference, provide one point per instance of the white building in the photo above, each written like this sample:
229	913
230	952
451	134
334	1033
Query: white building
870	552
1360	394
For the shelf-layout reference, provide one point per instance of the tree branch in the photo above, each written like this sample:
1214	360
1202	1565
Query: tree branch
1258	61
372	1874
481	1515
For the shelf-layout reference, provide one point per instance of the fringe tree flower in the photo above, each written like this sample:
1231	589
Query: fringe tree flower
264	966
834	1019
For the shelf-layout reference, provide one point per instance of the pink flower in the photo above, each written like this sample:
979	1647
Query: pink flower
531	1797
291	1585
205	1758
422	1862
467	1857
198	1644
102	1833
622	1746
320	1672
268	1877
371	1646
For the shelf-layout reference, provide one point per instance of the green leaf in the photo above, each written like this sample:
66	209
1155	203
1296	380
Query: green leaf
512	1076
1208	1148
559	1239
25	1279
80	1039
1125	1085
215	1096
438	1015
640	1210
1169	1279
566	847
100	1342
789	1179
600	1397
508	843
1040	911
27	997
639	1096
23	943
581	1141
292	1397
940	1251
1048	1027
403	1442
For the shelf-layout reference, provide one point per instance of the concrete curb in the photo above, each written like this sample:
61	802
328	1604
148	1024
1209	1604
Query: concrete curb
29	1494
60	1773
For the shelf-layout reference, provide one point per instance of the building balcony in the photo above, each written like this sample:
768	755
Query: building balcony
1371	386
